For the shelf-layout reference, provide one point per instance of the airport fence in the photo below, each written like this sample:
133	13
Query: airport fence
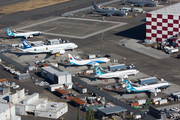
112	99
10	61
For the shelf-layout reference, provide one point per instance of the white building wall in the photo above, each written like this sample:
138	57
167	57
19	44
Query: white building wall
32	98
62	79
160	27
13	97
6	114
68	78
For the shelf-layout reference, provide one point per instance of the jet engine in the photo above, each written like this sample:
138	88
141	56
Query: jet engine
62	51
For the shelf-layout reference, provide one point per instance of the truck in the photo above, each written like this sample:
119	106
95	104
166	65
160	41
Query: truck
125	9
137	10
163	101
79	88
155	100
172	50
147	80
116	67
141	102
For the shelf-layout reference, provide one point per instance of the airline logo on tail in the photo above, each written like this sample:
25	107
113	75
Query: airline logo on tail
26	45
71	57
98	71
128	85
9	32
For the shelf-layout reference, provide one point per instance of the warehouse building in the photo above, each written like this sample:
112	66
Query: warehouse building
163	25
110	111
6	110
32	104
55	76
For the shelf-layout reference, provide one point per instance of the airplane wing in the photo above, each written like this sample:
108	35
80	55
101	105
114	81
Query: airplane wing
141	4
105	70
93	63
153	91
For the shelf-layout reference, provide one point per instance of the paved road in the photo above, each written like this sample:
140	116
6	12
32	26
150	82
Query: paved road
54	10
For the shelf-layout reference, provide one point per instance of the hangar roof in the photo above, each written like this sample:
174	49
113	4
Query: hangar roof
111	110
170	10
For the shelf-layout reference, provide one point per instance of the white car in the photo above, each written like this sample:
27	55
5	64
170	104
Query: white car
16	86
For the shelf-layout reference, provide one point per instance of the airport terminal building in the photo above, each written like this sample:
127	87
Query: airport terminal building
163	25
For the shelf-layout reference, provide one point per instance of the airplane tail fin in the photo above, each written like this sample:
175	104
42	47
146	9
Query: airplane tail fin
129	87
71	58
9	32
98	71
26	44
94	5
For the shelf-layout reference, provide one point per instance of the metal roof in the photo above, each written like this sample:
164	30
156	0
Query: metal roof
110	110
63	92
170	10
78	101
54	71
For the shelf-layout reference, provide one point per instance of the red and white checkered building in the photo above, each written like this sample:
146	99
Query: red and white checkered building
163	24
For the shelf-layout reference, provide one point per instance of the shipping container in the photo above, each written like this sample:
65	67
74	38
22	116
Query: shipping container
134	104
141	102
163	101
79	88
90	56
147	80
23	76
155	100
116	67
53	41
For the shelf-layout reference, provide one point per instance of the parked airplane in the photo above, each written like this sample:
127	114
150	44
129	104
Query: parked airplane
57	48
150	88
95	61
117	74
108	12
142	3
21	34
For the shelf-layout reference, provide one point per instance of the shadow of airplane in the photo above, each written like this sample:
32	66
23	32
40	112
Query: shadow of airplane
19	54
69	65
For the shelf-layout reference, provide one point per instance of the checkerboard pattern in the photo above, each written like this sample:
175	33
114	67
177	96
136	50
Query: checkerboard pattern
160	27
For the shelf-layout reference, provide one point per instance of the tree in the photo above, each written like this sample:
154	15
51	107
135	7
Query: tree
90	115
78	117
84	117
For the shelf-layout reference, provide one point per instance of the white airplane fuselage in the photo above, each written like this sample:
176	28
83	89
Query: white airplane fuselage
90	61
49	48
117	74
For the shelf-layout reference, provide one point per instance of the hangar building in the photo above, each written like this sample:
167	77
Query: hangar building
163	24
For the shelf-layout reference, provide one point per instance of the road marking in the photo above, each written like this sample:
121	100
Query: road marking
72	36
